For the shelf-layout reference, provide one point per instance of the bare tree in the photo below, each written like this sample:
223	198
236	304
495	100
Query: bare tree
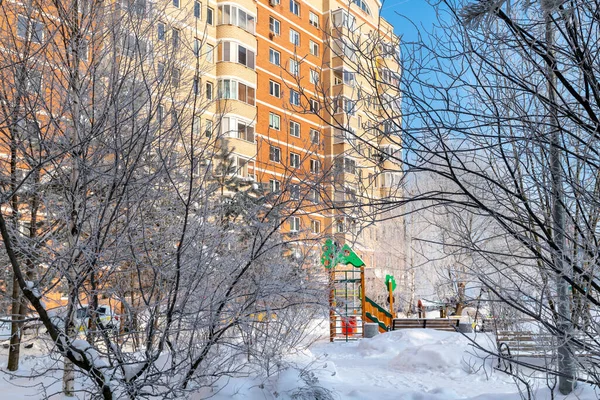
133	203
500	104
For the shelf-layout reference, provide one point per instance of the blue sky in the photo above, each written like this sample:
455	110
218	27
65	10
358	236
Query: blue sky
419	12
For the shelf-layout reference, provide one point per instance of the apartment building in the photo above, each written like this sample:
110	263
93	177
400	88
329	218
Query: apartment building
276	79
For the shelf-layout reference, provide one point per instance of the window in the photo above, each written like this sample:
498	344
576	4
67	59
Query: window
209	15
160	71
161	31
197	9
344	48
313	19
274	154
175	38
246	94
294	160
294	129
233	15
315	166
196	86
208	91
294	224
132	45
295	7
274	121
30	29
349	165
275	185
274	26
315	226
176	3
274	89
349	78
197	47
341	19
294	97
33	80
245	131
22	26
313	48
349	106
210	51
294	37
160	114
175	76
236	53
234	90
227	89
174	119
274	57
294	67
294	192
345	77
314	76
208	127
314	196
237	128
363	6
196	125
134	6
37	31
315	136
314	105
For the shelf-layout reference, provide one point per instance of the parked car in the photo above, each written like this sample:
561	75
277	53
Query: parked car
108	319
81	319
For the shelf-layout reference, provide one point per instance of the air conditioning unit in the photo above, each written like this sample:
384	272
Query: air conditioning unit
274	2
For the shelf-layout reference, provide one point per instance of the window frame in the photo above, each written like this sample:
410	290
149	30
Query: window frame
294	126
209	94
198	10
313	48
295	7
295	160
161	31
274	185
295	224
313	224
294	67
210	16
315	166
274	22
274	153
175	38
315	133
274	87
314	76
294	98
272	118
313	19
294	37
275	53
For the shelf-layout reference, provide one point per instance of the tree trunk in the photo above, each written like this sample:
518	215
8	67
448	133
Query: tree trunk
15	327
566	365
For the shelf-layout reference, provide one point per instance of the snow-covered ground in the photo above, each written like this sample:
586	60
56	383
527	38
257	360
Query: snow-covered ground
415	364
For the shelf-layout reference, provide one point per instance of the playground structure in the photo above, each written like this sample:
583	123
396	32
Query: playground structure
347	298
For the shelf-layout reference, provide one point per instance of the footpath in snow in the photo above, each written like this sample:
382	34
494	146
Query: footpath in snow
412	364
